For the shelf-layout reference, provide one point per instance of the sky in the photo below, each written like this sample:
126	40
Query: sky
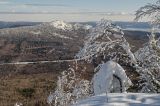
69	10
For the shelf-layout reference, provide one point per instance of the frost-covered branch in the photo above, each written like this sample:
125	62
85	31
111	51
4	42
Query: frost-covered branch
152	10
70	88
103	37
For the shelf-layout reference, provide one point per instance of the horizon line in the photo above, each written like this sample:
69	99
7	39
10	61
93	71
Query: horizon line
46	12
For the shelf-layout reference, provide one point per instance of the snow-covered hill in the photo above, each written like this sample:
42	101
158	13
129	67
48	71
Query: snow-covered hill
61	25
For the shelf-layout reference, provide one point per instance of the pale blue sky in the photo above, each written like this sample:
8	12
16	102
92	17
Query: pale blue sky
69	10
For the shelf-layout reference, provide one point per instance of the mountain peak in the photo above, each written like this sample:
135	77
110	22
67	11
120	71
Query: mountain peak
61	25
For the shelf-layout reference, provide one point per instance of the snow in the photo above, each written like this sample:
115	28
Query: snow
61	36
121	99
67	26
18	104
110	36
87	27
127	48
103	79
61	25
104	37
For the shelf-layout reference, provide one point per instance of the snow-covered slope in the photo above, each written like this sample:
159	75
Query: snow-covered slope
61	25
122	99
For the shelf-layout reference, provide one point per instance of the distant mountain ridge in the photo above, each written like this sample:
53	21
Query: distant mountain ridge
16	24
134	25
127	25
123	25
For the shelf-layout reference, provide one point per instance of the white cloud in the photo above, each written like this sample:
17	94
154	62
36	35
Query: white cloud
65	17
4	2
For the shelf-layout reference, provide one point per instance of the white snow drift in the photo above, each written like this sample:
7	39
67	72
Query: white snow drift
122	99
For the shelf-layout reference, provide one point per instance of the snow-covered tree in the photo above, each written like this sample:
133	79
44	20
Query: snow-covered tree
111	77
149	55
106	40
149	65
151	10
70	88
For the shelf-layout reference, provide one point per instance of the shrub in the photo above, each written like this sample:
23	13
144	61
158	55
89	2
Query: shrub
26	92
